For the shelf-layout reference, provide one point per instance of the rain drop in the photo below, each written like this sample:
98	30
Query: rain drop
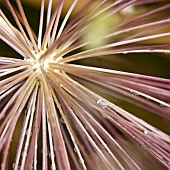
143	146
134	137
102	103
35	162
52	167
13	165
165	160
163	105
49	155
3	116
133	93
2	166
125	52
62	120
81	162
20	110
75	149
104	115
145	132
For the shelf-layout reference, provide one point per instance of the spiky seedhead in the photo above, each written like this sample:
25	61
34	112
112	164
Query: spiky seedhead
65	124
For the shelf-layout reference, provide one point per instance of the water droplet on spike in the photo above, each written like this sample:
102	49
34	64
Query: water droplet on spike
62	120
145	132
102	104
75	149
125	52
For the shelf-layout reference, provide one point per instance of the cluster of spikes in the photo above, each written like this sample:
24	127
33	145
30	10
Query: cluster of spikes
51	113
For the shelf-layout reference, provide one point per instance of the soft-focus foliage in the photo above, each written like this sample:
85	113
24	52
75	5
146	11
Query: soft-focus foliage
63	105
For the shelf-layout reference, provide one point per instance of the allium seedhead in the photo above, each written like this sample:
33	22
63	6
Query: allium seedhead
68	113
